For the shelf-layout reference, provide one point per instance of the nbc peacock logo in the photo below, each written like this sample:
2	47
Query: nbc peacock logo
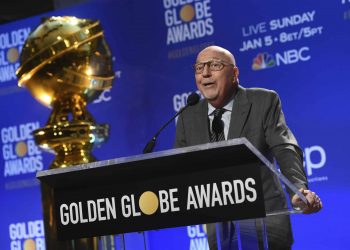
263	61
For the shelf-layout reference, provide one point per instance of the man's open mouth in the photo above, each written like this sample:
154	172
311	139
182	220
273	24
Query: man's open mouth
207	84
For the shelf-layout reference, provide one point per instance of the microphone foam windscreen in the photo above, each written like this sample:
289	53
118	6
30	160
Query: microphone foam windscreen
193	99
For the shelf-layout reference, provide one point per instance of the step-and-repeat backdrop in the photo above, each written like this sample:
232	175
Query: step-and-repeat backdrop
299	49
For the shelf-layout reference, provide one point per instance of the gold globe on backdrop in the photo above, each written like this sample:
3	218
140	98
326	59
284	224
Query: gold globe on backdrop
187	13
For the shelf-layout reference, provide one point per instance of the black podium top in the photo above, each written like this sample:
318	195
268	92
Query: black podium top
158	164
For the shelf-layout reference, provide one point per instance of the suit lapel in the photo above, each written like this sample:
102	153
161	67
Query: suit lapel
201	125
239	115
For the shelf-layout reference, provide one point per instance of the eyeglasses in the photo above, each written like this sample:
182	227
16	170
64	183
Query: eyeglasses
214	65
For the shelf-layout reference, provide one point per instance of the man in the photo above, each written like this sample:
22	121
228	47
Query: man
230	111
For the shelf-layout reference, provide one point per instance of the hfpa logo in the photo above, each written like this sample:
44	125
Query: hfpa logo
314	158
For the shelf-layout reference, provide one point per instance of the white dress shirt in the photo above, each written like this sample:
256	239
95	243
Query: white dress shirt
226	116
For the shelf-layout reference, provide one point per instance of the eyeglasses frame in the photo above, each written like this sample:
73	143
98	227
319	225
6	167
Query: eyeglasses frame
208	63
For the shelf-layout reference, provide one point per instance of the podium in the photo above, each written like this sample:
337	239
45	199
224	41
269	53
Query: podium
208	183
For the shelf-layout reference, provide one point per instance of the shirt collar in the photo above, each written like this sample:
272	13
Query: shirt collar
227	107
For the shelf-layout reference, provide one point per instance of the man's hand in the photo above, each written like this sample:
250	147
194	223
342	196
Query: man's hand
314	202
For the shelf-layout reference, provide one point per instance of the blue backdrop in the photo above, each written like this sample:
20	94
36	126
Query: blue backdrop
299	49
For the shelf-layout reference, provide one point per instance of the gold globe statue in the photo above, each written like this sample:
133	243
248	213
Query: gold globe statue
65	64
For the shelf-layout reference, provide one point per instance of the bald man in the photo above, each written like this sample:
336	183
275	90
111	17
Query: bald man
230	111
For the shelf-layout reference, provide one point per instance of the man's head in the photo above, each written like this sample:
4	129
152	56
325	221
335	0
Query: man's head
219	79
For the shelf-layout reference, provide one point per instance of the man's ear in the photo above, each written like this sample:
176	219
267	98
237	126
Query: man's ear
235	72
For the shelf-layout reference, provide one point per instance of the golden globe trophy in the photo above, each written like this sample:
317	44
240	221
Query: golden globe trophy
65	64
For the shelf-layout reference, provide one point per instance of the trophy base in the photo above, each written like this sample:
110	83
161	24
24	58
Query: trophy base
71	142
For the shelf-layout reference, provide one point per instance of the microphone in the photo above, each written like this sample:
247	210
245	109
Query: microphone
192	99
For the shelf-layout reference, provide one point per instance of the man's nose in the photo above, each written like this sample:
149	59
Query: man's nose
206	71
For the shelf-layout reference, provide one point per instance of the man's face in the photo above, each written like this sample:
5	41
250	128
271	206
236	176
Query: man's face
216	86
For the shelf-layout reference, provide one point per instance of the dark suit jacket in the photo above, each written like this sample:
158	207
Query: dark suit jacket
256	115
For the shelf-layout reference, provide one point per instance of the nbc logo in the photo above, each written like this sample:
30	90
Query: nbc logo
263	61
266	60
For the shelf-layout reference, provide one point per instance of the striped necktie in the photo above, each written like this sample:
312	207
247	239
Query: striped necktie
217	126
